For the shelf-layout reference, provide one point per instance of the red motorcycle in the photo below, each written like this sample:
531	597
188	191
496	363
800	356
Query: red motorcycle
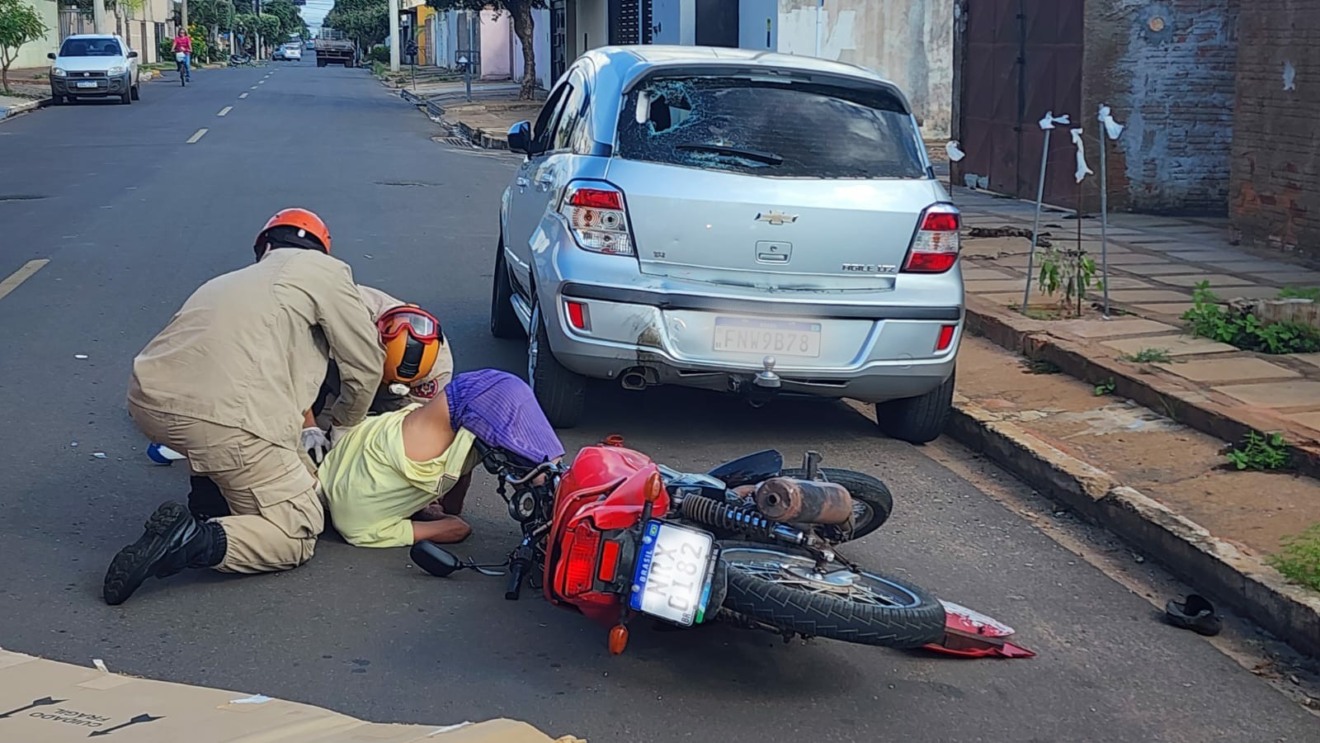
615	535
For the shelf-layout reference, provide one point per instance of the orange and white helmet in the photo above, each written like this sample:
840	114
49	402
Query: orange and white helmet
294	228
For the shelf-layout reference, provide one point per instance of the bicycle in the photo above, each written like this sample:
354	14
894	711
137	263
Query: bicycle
178	66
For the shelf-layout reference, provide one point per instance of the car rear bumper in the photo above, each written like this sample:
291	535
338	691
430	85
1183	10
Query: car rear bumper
871	352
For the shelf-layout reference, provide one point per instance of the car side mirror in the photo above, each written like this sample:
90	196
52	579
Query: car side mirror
51	55
132	55
520	137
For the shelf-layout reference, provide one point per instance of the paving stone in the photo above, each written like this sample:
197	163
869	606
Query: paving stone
1228	369
1167	309
1306	358
1248	292
1215	279
996	285
1206	256
1006	299
1253	266
1295	394
1175	345
1162	269
979	273
1290	278
1310	420
1124	259
1134	296
1115	328
1125	282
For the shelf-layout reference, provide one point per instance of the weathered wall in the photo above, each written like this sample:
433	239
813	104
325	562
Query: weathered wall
496	42
908	41
1167	69
1275	156
33	54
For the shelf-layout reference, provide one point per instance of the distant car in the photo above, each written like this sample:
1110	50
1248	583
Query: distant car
731	220
94	66
277	55
293	53
309	46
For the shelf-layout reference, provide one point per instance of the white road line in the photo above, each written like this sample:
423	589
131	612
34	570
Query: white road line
261	82
198	135
23	274
253	88
225	111
242	95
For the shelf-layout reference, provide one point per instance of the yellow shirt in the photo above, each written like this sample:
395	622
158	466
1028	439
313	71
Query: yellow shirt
373	487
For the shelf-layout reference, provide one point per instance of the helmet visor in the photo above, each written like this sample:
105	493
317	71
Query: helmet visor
419	324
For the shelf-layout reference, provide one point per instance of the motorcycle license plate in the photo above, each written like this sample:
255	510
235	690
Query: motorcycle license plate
673	574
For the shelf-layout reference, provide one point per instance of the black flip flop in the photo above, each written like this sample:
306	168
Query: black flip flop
1196	614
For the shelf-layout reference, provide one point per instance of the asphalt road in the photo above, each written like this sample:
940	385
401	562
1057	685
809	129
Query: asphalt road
132	218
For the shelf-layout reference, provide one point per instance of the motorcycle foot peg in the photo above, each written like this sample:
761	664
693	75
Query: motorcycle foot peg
618	639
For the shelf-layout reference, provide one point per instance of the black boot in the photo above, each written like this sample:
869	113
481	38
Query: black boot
205	500
171	541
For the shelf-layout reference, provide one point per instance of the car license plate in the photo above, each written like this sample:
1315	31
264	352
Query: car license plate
746	335
86	84
673	574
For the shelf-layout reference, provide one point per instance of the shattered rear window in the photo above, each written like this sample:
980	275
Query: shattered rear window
791	130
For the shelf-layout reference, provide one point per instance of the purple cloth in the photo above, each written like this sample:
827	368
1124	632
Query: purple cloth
501	411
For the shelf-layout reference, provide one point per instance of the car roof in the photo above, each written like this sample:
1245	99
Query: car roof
634	61
91	36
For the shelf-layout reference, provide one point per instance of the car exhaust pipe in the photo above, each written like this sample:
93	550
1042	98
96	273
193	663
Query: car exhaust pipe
633	379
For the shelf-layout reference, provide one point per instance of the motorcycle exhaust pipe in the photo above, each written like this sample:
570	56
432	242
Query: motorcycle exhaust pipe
794	501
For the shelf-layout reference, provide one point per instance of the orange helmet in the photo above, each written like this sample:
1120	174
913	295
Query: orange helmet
294	228
412	339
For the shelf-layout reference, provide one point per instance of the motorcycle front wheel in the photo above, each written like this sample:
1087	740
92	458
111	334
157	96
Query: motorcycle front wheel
779	586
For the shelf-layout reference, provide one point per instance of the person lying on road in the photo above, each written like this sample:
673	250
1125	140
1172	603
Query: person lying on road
386	469
225	384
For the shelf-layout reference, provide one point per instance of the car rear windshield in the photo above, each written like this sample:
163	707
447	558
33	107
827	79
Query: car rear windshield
772	128
90	48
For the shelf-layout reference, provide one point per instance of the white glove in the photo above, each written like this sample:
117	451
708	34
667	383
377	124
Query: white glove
337	433
315	442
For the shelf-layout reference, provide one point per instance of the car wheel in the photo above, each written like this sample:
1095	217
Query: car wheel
320	63
126	98
56	100
136	93
917	420
503	320
560	393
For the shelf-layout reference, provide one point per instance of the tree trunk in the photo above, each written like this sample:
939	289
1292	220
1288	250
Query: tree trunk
4	75
523	26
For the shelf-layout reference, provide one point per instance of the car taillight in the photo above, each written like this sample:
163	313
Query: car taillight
580	563
577	315
946	337
936	245
598	219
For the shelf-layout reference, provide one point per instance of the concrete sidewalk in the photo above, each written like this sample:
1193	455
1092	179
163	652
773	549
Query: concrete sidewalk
483	121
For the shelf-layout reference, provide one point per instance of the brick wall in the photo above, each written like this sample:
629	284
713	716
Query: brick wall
1167	69
1275	157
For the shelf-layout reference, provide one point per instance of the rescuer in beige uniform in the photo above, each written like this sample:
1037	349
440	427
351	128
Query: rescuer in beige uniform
226	383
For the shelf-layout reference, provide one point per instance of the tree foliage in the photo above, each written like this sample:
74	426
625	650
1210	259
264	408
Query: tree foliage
366	22
523	26
19	24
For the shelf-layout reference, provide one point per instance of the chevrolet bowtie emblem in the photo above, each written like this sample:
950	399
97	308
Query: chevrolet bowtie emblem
776	218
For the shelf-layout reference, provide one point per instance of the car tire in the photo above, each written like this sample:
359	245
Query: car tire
917	420
320	63
126	98
56	100
560	393
136	92
503	320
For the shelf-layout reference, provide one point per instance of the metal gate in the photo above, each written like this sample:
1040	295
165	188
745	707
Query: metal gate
468	40
558	39
717	23
1023	58
630	22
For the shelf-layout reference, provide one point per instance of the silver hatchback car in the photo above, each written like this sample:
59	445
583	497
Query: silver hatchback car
731	220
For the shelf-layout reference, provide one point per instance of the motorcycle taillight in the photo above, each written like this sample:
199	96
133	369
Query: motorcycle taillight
580	563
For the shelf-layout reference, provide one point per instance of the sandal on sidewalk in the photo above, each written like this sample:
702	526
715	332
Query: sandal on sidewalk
1196	614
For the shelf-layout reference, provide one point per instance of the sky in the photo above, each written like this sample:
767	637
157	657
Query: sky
314	12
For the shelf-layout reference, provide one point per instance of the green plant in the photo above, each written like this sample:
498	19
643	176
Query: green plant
1149	356
1300	292
19	24
1299	559
1106	387
1071	271
1261	453
379	53
1244	330
1041	366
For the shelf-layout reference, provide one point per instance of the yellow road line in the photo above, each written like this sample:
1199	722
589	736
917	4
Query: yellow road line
198	135
23	274
225	111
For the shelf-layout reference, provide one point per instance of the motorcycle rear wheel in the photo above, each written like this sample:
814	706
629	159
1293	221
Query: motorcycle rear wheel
775	585
872	501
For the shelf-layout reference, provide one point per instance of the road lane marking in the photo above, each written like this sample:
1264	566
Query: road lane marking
198	135
225	111
261	82
253	88
23	274
242	95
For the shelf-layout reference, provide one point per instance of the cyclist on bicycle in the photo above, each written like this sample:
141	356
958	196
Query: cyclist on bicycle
183	45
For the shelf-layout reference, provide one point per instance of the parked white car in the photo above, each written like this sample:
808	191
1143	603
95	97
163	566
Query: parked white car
94	66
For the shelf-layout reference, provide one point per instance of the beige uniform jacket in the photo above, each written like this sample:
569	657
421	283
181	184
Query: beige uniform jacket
378	303
249	349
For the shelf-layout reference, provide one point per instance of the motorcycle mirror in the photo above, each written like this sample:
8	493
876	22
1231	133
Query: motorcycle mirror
434	559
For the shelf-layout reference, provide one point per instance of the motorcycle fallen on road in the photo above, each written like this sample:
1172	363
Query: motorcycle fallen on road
614	535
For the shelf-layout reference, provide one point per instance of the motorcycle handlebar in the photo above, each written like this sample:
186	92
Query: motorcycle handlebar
517	570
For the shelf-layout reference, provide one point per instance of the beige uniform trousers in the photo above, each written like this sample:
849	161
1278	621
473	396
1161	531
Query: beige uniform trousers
277	508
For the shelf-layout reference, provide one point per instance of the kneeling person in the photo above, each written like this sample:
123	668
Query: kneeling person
387	468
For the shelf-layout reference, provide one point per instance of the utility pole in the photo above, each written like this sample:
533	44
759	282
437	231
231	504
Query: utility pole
255	32
98	16
183	13
394	35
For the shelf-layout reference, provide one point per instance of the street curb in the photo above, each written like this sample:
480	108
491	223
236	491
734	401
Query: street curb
1191	406
23	108
1211	565
478	137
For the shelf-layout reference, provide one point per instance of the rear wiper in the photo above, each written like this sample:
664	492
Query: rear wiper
768	158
